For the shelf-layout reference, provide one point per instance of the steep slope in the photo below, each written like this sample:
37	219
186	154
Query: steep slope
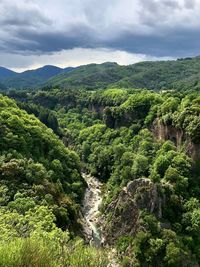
40	193
36	164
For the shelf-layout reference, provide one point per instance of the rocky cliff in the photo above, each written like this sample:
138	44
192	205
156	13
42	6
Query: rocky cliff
178	136
122	216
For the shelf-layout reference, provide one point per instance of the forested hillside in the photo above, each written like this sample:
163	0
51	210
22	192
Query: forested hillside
41	189
144	147
36	169
6	73
181	74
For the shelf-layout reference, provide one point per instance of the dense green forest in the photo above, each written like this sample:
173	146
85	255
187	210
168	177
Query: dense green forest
181	74
142	145
40	195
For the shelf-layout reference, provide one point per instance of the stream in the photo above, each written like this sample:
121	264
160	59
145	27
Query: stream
91	220
90	210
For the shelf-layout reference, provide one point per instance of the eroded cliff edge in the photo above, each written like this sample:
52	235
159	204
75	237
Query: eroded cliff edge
178	136
123	215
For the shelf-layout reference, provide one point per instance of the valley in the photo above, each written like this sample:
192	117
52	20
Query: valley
137	201
100	133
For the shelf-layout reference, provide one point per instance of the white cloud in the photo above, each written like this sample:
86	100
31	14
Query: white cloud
76	57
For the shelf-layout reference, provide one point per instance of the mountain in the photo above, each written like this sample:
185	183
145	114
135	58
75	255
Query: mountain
6	73
45	72
3	87
30	78
156	75
90	76
181	74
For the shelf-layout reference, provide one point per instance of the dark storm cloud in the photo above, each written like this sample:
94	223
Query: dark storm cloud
176	44
155	27
56	41
25	29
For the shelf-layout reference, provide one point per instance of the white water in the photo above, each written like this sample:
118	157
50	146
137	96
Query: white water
90	209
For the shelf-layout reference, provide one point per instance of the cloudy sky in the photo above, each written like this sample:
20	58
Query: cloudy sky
75	32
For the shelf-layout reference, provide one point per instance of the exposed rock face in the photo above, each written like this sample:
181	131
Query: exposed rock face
168	132
123	214
178	136
97	108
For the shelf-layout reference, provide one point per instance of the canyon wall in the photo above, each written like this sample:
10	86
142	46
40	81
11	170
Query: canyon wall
178	137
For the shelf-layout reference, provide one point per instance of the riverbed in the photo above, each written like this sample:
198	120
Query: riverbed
90	210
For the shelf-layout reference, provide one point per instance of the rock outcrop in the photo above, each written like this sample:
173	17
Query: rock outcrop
177	136
122	216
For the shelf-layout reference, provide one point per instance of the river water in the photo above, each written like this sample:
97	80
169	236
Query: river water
90	210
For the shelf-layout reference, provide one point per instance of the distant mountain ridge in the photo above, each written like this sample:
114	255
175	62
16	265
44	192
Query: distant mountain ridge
180	74
6	73
91	76
30	78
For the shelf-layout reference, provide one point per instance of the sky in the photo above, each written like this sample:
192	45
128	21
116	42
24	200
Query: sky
66	33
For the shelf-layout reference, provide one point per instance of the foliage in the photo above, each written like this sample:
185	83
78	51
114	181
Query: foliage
114	133
181	74
35	164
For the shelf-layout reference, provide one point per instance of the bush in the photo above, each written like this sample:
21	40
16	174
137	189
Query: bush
27	253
